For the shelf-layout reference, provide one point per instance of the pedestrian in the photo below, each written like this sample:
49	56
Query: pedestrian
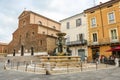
5	65
85	59
8	61
116	62
103	58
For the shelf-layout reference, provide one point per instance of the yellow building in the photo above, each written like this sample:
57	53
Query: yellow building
103	28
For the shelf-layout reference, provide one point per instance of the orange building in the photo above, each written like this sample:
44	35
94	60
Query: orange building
103	28
3	49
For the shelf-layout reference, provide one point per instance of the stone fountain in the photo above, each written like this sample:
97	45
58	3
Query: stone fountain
61	49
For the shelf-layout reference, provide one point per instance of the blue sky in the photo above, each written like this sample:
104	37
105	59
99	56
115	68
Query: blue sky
54	9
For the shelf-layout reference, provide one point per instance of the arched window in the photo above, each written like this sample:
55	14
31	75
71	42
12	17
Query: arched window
33	33
24	23
54	27
39	22
27	35
43	32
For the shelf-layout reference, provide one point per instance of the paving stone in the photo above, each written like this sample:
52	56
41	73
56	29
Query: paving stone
106	74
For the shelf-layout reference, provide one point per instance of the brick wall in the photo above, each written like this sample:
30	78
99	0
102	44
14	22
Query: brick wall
30	35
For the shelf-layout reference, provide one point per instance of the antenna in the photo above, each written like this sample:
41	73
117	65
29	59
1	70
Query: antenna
24	9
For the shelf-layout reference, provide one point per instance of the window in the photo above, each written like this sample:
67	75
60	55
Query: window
80	37
39	22
24	23
78	22
68	39
20	38
111	17
94	37
93	22
27	35
40	42
33	33
43	32
113	34
68	25
54	27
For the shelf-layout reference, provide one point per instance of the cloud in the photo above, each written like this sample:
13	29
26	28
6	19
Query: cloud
7	26
54	9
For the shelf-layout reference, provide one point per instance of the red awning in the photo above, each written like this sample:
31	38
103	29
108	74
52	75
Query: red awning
110	50
117	48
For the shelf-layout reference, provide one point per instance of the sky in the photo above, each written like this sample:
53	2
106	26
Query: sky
53	9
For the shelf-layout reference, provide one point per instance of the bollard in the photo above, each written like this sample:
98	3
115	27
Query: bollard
81	66
17	65
67	67
4	66
48	72
96	65
26	67
11	65
119	62
106	64
34	67
48	68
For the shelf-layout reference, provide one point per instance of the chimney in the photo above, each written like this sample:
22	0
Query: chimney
100	3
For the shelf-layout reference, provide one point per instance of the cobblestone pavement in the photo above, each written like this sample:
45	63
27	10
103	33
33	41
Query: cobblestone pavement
106	74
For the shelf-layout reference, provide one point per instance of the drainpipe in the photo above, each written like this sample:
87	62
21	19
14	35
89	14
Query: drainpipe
102	21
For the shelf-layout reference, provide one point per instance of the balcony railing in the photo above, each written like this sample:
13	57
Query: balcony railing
105	41
72	43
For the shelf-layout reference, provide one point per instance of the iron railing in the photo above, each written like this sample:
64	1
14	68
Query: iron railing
80	42
105	41
55	68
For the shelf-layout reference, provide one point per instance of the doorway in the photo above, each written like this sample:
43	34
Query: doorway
32	51
81	53
95	53
22	50
14	52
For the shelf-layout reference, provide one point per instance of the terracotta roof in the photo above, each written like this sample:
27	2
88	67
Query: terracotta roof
72	16
101	5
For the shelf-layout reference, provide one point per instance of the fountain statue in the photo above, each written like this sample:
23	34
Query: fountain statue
61	49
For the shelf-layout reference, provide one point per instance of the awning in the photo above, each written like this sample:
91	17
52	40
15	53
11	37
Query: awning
117	48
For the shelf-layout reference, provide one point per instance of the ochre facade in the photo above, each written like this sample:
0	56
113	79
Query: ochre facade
103	22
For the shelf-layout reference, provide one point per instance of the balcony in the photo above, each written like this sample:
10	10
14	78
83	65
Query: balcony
76	43
105	41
